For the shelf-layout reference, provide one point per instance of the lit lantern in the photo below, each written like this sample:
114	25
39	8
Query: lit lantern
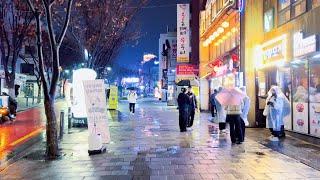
220	30
225	24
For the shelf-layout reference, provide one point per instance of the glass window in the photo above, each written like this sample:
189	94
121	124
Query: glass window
315	3
283	4
268	20
284	81
314	98
300	97
298	8
284	16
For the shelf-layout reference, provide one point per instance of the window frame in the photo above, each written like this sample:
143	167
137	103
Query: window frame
290	8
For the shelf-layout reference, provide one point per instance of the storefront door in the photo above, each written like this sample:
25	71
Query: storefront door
267	78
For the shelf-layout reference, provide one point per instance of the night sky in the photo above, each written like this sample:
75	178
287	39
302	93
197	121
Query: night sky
153	21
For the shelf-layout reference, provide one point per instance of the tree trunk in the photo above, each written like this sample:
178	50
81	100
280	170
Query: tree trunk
51	130
10	85
39	93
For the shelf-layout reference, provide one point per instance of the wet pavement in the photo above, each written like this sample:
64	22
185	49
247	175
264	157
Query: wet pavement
17	136
148	145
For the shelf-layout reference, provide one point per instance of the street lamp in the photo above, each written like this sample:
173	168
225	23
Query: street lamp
109	68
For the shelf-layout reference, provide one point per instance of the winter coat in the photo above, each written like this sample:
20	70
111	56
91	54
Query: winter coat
213	99
132	97
183	101
273	112
192	100
245	110
221	114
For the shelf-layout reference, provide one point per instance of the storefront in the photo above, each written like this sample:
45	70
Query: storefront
299	79
225	71
219	48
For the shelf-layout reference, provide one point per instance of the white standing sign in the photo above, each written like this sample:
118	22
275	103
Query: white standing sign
183	32
96	107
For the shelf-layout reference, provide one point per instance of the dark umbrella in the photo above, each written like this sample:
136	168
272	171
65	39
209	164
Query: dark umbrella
132	88
184	83
187	82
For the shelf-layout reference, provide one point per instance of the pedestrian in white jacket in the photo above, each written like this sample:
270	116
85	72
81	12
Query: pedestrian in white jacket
245	107
132	99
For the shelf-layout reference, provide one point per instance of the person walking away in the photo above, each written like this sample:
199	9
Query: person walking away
213	103
183	103
277	107
132	98
244	112
233	117
192	106
221	115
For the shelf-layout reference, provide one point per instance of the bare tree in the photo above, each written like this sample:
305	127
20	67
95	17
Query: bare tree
103	30
15	26
44	8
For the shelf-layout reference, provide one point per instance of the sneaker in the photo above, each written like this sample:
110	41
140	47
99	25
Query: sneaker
223	131
274	139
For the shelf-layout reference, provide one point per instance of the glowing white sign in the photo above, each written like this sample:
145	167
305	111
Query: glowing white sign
131	80
303	46
79	105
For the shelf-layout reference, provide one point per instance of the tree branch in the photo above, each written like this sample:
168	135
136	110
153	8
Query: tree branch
66	23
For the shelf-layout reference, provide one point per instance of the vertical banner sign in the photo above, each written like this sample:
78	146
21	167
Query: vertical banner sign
113	97
95	98
183	28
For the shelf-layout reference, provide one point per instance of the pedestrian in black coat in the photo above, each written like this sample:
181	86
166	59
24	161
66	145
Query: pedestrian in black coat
192	106
183	103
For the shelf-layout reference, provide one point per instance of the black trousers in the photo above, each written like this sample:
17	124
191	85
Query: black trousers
191	116
222	126
183	119
213	110
235	128
280	133
243	128
132	107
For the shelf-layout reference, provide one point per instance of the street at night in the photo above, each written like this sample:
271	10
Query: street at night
159	89
148	145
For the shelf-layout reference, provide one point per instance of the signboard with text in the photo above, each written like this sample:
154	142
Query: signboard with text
113	98
186	69
274	50
304	46
96	107
183	32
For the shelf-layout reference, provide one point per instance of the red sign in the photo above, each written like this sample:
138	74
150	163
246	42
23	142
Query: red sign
187	69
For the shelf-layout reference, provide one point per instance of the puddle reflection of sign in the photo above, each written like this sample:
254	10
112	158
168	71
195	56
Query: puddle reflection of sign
95	99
